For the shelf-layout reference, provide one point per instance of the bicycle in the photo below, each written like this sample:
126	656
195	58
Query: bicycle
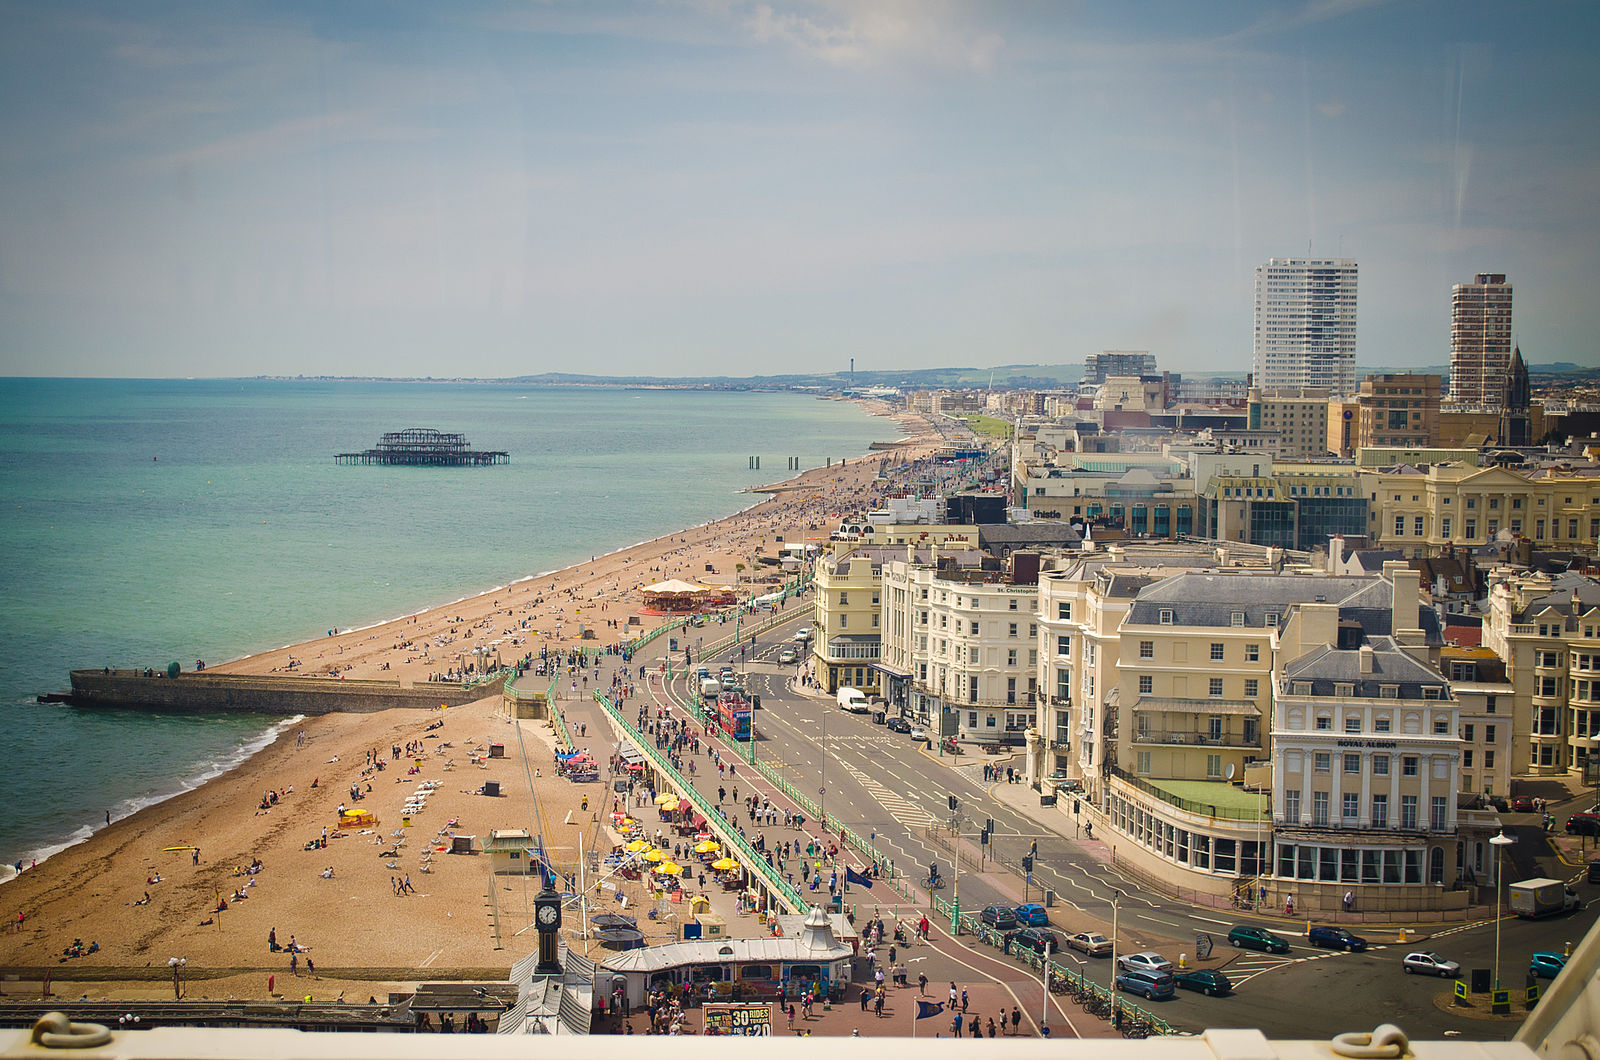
932	883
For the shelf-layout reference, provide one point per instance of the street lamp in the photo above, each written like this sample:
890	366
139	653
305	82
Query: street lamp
177	964
1116	899
1499	842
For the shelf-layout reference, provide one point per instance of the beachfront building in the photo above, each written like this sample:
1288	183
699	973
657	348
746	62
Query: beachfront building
846	638
1490	741
963	637
1547	631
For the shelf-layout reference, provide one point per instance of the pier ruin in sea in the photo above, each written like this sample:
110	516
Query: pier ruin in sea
424	447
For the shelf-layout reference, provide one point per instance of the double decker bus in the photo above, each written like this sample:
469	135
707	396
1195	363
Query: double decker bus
732	715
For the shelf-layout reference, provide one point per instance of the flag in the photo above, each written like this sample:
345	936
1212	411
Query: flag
852	876
929	1008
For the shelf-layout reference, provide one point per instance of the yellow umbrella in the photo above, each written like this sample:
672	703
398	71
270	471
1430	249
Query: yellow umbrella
707	846
669	868
655	855
665	797
722	864
671	805
636	846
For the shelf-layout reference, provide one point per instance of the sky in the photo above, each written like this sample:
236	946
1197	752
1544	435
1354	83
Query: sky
731	187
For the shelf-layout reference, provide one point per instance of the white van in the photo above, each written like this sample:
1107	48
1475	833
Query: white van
853	701
709	687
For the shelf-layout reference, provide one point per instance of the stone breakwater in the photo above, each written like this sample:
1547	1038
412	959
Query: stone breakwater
219	693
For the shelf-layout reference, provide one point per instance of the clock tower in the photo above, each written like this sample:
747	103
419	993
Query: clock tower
547	918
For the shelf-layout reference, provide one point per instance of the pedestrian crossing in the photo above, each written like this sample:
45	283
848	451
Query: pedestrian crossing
909	816
1247	966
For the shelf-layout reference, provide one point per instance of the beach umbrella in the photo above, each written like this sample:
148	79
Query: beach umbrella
665	797
655	855
670	806
724	864
669	868
707	846
636	846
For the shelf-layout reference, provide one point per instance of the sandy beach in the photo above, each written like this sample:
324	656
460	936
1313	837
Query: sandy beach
141	892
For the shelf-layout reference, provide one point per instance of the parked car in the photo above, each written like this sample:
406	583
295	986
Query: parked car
1498	804
1033	914
1583	824
1152	985
1592	874
897	725
1254	938
787	656
1038	939
1546	965
1336	938
1091	942
1209	983
918	733
999	917
1425	963
1144	962
1522	804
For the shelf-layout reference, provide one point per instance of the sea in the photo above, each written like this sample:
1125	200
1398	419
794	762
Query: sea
144	522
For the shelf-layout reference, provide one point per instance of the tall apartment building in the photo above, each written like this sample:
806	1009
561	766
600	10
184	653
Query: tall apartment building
1480	340
1098	367
1398	410
1305	324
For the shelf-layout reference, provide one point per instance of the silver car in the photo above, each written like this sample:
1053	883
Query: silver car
1425	963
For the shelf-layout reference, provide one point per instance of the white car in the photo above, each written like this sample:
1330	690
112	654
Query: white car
1424	963
918	733
786	656
1143	962
803	636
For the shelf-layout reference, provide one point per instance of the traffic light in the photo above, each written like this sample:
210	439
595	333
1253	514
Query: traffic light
1027	863
954	802
1074	807
988	826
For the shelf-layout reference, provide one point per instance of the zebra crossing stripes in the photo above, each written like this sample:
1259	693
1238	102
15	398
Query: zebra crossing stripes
905	813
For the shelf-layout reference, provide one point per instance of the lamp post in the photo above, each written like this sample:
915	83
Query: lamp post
1116	899
1499	842
177	964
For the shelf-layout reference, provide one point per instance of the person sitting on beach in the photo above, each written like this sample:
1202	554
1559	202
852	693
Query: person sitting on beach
327	873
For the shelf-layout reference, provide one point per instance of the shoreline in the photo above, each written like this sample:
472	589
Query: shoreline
707	540
133	888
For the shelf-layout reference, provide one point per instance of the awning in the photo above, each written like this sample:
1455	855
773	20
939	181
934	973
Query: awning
1197	706
892	671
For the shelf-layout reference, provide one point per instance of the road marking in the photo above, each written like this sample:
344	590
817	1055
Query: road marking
907	815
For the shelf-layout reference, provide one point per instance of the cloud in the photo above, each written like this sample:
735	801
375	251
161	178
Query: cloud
1278	19
856	35
1330	108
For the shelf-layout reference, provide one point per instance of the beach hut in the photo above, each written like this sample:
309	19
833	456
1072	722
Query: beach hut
508	851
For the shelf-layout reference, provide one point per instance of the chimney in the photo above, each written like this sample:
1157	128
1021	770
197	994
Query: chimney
1407	583
1335	552
1366	658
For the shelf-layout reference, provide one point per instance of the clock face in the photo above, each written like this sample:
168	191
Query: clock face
548	914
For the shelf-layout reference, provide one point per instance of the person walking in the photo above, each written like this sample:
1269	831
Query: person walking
989	1026
1016	1019
922	984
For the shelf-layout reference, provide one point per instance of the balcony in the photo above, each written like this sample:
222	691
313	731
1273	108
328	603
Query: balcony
1196	739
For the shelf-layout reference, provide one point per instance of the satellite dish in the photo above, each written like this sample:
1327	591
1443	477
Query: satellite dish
1229	771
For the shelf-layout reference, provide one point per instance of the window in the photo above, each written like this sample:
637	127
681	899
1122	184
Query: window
1291	806
1488	732
1408	811
1216	652
1399	526
1011	657
1251	687
1064	612
1215	688
1322	762
1089	653
1319	808
1272	619
1165	616
1324	723
1213	765
1466	759
1352	723
1064	646
1408	765
1352	806
1011	630
1380	725
1236	618
1380	765
1444	526
974	628
1147	649
1417	526
1141	762
844	599
1146	684
1441	726
844	621
1352	763
1252	653
1380	811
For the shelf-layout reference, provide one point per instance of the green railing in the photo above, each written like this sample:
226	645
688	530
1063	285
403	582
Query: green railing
830	826
754	861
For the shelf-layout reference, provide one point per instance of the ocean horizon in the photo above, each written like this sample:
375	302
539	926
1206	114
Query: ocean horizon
157	521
